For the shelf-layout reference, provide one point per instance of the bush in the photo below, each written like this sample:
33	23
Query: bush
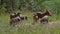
3	9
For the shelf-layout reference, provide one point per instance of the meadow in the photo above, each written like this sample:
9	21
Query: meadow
27	28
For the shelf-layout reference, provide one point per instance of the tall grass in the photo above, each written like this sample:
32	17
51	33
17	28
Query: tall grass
27	29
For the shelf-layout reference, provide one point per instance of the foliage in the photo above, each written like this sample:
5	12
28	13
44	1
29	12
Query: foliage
31	5
3	9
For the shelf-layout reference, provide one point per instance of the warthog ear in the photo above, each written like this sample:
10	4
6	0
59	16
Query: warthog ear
50	13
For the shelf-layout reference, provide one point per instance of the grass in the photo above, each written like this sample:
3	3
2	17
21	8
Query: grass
27	29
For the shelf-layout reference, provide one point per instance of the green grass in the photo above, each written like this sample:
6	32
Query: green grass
26	29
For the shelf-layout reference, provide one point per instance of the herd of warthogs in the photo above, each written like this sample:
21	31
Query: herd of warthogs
15	18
